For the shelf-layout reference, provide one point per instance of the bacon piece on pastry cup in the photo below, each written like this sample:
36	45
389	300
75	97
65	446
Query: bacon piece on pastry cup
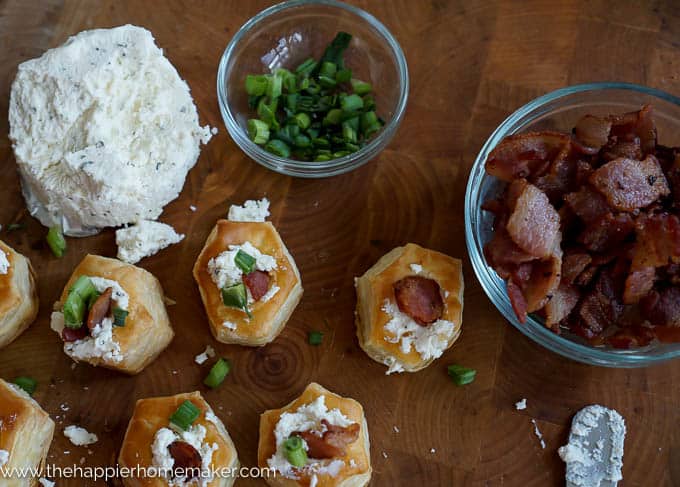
18	294
112	314
331	434
248	281
409	307
26	433
198	453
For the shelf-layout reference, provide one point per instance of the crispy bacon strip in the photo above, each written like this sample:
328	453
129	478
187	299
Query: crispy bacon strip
592	132
523	155
420	298
629	184
258	283
534	224
100	309
186	457
332	443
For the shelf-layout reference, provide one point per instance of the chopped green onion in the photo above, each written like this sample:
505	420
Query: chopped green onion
278	147
336	48
352	103
302	120
322	158
306	67
333	117
119	316
343	75
28	384
318	142
74	310
185	415
217	373
361	87
236	296
258	131
328	70
256	85
84	287
55	239
348	133
244	261
315	338
461	375
266	112
302	141
295	452
274	86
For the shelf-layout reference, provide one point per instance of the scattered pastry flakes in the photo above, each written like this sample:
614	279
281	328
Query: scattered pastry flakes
538	433
202	358
79	436
520	405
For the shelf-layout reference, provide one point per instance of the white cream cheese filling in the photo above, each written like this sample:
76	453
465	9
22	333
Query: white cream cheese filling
4	262
429	341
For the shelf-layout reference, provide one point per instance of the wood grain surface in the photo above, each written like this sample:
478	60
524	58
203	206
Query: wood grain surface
471	64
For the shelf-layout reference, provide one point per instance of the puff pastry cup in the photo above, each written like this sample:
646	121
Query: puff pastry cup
269	313
430	287
315	412
144	445
25	434
146	332
18	294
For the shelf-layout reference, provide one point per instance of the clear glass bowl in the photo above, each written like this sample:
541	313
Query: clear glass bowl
288	33
560	110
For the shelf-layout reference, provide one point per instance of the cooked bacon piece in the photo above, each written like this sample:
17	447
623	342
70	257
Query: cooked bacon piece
585	277
523	155
588	204
560	177
662	307
188	460
601	307
534	225
638	284
607	232
667	334
629	184
420	298
636	124
73	335
658	241
630	149
257	282
545	277
502	252
100	309
672	171
573	264
563	301
519	304
332	443
592	133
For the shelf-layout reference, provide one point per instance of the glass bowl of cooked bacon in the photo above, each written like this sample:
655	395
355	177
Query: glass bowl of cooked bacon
572	222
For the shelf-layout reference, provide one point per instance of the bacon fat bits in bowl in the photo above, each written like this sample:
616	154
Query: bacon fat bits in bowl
26	433
320	439
112	314
179	440
18	294
248	281
410	307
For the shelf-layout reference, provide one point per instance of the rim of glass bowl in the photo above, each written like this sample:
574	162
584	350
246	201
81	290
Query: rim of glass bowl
494	287
292	167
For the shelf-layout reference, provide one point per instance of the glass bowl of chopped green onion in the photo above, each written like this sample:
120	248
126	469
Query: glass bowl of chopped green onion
312	88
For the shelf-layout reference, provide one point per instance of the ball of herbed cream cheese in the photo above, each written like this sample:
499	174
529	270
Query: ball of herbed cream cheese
103	129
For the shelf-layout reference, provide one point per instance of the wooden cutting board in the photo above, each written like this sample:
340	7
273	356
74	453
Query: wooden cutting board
471	64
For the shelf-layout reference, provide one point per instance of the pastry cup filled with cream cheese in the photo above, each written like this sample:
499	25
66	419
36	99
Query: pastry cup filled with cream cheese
181	441
26	433
333	433
410	307
120	318
248	281
18	294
